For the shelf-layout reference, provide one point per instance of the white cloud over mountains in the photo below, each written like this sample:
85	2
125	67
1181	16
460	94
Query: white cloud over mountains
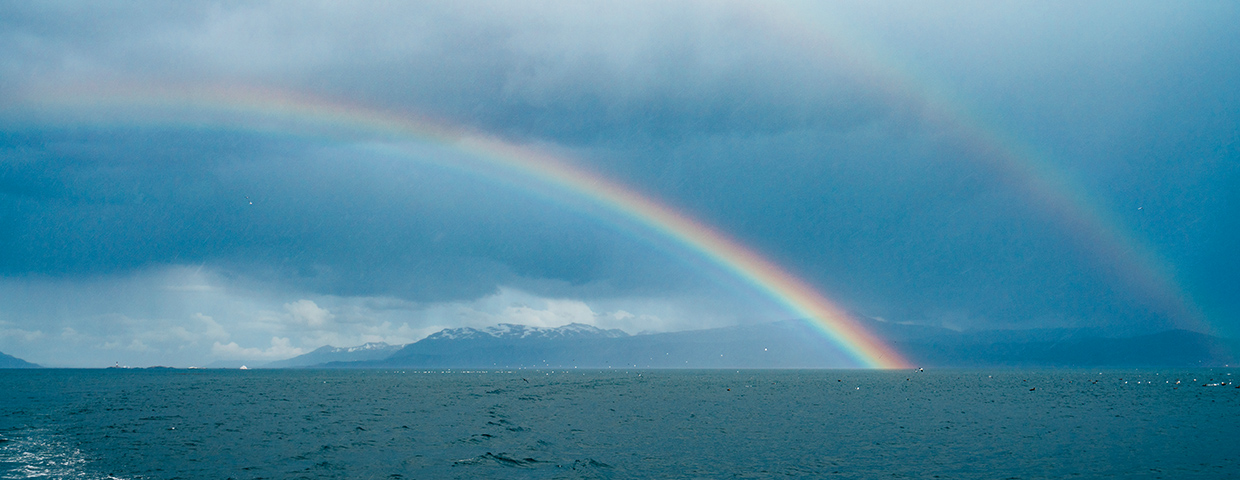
147	318
280	349
308	313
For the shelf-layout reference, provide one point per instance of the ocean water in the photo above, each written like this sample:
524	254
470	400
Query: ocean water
394	424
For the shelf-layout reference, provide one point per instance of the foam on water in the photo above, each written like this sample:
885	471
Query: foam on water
38	453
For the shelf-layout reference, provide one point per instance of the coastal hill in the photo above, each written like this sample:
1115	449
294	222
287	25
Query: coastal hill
9	361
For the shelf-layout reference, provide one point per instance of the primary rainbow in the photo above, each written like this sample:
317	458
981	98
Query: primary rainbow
256	109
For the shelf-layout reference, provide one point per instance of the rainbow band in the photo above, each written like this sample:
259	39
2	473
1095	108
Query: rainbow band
1118	251
224	106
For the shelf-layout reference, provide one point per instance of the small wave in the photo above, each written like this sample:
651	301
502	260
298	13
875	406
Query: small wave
498	459
589	463
477	438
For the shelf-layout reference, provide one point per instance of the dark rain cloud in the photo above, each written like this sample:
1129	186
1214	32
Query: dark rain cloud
334	219
575	73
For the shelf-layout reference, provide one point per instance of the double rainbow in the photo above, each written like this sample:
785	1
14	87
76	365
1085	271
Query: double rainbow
1097	232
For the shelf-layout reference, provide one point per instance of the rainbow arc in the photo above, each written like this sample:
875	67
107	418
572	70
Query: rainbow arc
277	111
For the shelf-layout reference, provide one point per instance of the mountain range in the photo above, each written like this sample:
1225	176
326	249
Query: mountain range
787	344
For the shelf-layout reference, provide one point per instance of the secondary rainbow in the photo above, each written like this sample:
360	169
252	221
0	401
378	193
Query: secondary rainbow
257	109
1127	259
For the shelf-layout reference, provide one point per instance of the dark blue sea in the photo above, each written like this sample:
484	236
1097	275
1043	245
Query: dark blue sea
385	424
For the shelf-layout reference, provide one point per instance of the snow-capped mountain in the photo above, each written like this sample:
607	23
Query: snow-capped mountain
328	353
512	331
503	344
449	339
366	347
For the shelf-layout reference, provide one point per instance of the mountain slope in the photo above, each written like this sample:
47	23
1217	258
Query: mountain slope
507	345
9	361
327	354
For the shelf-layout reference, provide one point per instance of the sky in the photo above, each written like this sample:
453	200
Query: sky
967	165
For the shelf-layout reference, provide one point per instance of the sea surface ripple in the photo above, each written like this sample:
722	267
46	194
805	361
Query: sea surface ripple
534	424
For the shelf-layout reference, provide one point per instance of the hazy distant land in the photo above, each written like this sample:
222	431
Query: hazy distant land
787	344
9	361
